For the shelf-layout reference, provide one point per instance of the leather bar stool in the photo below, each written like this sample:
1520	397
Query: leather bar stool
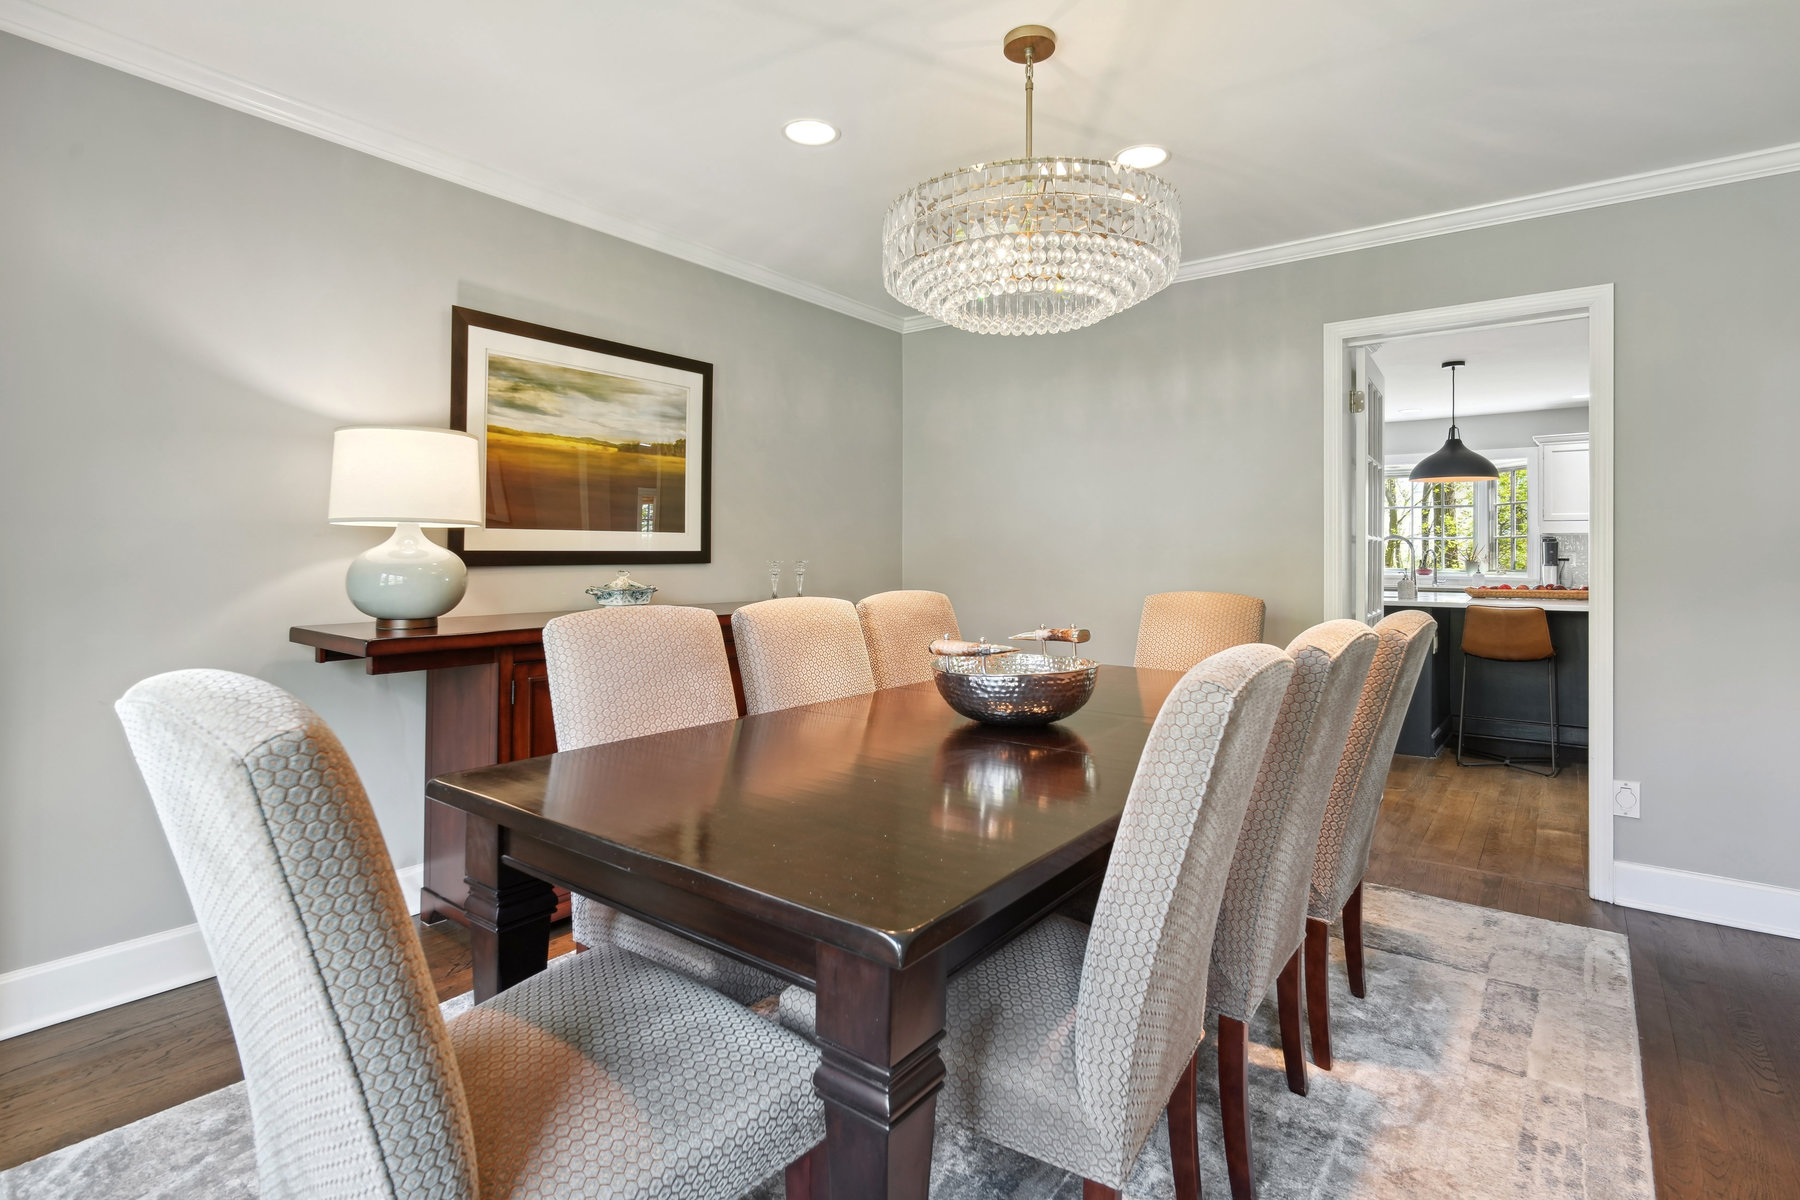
1506	635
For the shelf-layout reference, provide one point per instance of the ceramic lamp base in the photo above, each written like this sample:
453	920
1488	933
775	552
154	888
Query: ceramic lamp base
407	582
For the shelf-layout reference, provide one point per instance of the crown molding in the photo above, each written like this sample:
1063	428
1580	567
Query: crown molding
1735	168
77	37
85	40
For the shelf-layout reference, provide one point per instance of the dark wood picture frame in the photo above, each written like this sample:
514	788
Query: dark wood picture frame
461	321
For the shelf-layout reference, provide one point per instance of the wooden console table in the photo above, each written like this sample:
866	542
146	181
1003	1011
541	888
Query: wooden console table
487	700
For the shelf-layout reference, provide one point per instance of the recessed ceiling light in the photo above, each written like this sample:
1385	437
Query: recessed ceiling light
1143	157
809	132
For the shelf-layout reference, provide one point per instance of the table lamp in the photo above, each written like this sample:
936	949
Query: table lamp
407	478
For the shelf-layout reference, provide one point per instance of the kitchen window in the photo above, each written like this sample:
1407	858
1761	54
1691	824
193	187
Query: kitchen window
1451	524
1512	522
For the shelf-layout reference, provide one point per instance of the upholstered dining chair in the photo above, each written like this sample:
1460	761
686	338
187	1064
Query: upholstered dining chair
800	650
1262	919
898	628
631	671
1179	629
1406	640
604	1075
1068	1042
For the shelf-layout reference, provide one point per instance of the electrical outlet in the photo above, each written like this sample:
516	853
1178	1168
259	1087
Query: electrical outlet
1626	796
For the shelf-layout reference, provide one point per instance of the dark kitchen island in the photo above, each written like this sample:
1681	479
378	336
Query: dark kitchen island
1502	695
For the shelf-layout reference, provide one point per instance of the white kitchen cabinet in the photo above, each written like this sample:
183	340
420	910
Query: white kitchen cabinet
1560	490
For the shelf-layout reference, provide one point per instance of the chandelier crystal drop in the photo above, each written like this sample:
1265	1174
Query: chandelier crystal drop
1032	245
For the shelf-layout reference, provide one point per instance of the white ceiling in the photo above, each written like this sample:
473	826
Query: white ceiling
1511	368
1287	119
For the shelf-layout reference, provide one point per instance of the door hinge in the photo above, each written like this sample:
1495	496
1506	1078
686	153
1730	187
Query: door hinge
512	694
1356	400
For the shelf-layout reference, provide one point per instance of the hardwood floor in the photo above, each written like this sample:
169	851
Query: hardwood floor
71	1081
1717	1008
1489	836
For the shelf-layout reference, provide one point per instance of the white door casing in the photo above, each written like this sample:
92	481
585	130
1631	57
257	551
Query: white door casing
1596	303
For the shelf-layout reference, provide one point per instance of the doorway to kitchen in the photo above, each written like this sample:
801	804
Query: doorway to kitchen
1533	380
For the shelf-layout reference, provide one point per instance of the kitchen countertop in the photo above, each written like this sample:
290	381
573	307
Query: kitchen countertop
1461	599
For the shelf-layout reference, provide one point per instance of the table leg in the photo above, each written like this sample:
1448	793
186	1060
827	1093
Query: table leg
509	914
879	1073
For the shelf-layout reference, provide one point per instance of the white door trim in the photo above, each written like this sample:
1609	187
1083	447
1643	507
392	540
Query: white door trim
1595	303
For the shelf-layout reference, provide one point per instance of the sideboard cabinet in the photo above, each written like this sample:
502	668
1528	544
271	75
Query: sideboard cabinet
487	700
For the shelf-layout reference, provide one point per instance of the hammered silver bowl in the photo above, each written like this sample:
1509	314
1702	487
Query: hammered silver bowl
1017	688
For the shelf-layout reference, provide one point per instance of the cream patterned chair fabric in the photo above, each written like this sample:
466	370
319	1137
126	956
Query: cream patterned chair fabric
605	1075
1179	629
1262	920
1349	829
898	628
1066	1043
632	671
800	650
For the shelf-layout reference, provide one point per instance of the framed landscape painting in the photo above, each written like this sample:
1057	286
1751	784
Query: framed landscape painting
593	452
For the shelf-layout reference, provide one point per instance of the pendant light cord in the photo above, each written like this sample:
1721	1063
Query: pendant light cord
1453	430
1028	102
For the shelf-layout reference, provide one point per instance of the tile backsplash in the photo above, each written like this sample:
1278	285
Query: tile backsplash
1574	547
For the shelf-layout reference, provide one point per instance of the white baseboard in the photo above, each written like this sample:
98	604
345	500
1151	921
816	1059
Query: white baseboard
49	993
412	881
71	987
1738	903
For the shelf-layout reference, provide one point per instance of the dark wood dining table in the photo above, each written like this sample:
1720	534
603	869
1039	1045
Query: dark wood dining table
870	848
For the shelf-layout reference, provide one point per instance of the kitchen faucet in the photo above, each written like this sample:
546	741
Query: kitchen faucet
1408	588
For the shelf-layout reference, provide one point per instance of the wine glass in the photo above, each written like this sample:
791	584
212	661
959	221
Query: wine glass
800	577
775	565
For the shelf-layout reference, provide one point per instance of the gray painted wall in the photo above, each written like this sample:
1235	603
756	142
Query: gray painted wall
1179	446
1493	431
191	299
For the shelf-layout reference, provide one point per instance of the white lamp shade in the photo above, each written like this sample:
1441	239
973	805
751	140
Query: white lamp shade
389	476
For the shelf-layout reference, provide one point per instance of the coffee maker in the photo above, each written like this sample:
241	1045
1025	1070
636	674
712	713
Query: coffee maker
1552	560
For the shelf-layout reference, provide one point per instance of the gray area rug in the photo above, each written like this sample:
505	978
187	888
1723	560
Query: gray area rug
1496	1055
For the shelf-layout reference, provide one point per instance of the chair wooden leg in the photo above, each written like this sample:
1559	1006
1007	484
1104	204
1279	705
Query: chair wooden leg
1184	1133
1234	1104
1318	990
806	1175
1097	1191
1353	946
1293	1044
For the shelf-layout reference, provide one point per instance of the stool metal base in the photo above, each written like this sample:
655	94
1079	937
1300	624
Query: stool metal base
1529	765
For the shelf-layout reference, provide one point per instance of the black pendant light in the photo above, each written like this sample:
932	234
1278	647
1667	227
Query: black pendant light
1455	463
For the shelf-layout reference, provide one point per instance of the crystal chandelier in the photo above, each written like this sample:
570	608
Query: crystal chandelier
1032	245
